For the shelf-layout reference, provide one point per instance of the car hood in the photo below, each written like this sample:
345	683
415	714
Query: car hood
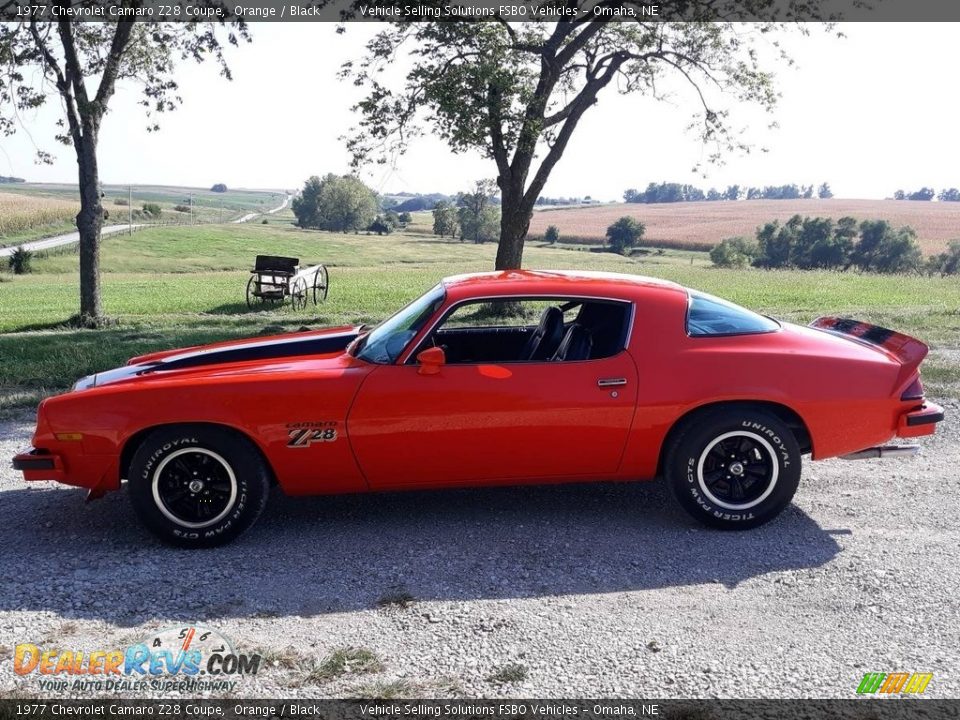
249	351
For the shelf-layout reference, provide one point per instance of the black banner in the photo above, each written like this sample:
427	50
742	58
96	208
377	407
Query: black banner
185	709
514	11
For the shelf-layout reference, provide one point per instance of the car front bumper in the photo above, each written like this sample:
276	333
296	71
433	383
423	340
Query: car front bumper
96	473
39	465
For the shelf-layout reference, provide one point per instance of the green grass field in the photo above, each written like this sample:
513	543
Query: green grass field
176	286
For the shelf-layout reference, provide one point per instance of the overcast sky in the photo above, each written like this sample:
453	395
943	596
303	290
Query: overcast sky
868	113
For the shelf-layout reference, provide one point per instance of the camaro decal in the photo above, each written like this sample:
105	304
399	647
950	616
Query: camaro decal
305	434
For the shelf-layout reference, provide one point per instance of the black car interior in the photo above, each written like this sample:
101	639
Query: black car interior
568	331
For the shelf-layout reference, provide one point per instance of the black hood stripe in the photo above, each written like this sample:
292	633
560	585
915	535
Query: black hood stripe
266	350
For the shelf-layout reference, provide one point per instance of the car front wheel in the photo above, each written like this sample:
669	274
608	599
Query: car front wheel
734	468
197	486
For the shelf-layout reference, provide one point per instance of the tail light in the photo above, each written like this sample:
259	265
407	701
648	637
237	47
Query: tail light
914	391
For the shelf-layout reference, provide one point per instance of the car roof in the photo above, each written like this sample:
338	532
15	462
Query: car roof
556	282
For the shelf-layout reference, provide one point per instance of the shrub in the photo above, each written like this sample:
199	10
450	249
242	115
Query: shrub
405	218
182	208
20	261
219	188
264	222
151	210
947	263
625	233
552	235
380	226
734	252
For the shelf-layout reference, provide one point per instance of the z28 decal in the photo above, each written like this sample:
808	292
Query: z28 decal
306	433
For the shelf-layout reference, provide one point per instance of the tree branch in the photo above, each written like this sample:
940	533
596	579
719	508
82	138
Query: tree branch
118	47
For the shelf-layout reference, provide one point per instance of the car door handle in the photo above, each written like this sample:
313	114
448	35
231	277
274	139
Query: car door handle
611	382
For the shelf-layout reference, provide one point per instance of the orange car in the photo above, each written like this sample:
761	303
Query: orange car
622	378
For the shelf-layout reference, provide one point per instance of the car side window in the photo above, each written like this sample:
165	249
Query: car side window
708	315
506	330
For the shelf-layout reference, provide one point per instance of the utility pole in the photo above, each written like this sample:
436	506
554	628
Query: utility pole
191	208
129	209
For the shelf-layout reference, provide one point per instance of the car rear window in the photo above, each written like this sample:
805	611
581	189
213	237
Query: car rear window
709	315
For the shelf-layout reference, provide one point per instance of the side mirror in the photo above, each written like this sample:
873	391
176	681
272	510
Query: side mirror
431	360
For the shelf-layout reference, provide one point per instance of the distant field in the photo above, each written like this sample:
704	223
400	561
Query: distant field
208	206
709	222
21	215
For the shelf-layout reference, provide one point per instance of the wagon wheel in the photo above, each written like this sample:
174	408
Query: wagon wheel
298	294
252	297
321	284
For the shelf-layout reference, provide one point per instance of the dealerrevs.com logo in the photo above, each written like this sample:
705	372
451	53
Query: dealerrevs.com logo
186	659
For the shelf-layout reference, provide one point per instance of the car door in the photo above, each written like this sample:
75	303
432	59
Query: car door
497	422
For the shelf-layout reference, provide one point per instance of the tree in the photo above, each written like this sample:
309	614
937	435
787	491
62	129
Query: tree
949	195
445	219
477	216
925	194
219	188
824	192
516	92
337	203
65	59
552	234
734	252
883	249
405	218
899	195
625	233
946	263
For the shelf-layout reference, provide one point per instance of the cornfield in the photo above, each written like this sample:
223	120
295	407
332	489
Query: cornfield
21	213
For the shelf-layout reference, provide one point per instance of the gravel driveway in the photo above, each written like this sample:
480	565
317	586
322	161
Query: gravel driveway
600	590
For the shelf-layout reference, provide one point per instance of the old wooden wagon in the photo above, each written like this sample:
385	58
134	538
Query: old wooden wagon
275	278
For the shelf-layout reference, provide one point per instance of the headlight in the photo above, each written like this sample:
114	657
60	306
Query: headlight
85	383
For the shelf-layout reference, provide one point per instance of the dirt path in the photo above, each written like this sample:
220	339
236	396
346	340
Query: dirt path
58	240
251	216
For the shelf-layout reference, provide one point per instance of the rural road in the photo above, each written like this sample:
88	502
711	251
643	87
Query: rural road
58	240
596	590
251	216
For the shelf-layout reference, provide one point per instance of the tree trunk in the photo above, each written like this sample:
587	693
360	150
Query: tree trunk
514	222
89	223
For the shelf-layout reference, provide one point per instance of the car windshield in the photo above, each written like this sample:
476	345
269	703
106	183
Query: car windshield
386	341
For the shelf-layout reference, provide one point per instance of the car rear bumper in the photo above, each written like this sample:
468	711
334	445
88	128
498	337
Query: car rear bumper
919	422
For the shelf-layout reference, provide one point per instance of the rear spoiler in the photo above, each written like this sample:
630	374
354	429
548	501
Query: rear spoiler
908	351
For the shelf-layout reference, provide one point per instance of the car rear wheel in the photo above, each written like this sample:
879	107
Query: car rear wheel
197	486
734	468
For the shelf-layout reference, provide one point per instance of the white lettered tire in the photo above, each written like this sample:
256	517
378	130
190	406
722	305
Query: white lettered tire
734	468
196	485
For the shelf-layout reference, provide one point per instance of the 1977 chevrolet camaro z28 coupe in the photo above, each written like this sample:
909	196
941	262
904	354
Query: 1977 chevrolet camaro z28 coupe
623	378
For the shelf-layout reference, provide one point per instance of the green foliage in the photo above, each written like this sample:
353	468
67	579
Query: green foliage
516	92
182	208
405	218
19	261
340	204
824	192
625	233
947	263
380	226
478	217
734	252
445	219
552	234
152	210
949	195
219	188
923	194
819	243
